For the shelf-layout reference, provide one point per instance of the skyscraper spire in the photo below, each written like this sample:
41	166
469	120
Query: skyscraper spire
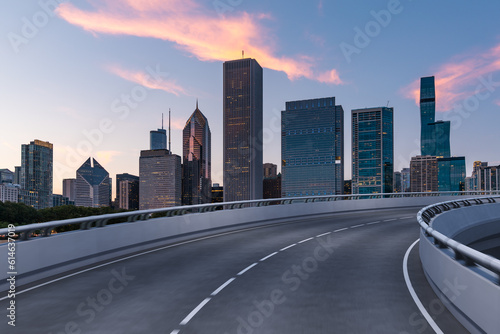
162	121
169	134
197	103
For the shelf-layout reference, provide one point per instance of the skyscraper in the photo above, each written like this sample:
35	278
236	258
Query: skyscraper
159	179
405	180
93	185
372	150
36	171
197	161
424	174
434	136
127	198
484	177
451	174
69	189
312	148
158	138
270	170
243	98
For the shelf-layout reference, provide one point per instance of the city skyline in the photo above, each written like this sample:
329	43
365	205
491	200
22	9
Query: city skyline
87	80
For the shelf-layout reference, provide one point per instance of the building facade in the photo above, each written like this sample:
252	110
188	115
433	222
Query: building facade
451	174
197	160
159	179
485	177
424	174
60	200
372	150
93	185
242	123
6	176
270	170
217	193
405	180
36	171
69	189
9	192
397	182
127	198
312	148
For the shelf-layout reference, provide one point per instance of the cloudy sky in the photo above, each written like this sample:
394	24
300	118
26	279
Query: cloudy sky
93	77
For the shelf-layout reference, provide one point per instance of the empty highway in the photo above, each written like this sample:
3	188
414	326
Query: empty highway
337	273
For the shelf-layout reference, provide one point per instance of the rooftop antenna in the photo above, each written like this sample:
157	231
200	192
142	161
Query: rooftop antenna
162	121
388	104
242	54
169	134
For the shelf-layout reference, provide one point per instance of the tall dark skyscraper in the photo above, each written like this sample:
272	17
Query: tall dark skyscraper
434	136
372	150
93	185
312	148
197	161
36	171
243	98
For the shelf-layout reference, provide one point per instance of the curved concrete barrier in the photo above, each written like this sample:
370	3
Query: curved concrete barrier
471	292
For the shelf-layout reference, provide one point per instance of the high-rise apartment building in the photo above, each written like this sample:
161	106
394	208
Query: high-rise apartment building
69	189
6	176
424	174
242	122
93	185
397	182
197	160
485	177
159	179
127	191
312	148
9	192
372	150
36	172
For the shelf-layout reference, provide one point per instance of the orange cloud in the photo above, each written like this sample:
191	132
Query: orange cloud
459	79
145	79
187	24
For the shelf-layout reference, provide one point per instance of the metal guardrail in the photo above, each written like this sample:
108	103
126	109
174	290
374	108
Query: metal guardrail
84	223
470	256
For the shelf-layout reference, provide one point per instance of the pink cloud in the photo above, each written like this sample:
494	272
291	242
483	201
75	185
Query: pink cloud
186	24
458	79
145	79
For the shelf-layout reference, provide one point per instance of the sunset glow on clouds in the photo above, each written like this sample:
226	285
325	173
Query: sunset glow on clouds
195	29
460	78
146	80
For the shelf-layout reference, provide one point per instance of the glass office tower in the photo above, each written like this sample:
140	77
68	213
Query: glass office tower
451	174
243	157
37	170
372	150
197	160
158	139
434	136
312	148
93	185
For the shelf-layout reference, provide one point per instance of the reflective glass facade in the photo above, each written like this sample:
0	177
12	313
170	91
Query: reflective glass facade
242	117
197	160
36	172
312	148
158	139
372	150
434	136
93	185
451	174
127	198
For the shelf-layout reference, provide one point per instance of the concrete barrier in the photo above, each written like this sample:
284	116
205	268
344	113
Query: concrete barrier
472	294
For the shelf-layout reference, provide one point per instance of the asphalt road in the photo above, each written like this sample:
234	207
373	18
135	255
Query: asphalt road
341	273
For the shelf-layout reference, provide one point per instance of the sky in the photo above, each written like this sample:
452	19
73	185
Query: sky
93	77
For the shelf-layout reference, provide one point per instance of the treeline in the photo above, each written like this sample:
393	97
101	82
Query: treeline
21	214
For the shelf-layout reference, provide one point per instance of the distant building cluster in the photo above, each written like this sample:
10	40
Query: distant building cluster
312	157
